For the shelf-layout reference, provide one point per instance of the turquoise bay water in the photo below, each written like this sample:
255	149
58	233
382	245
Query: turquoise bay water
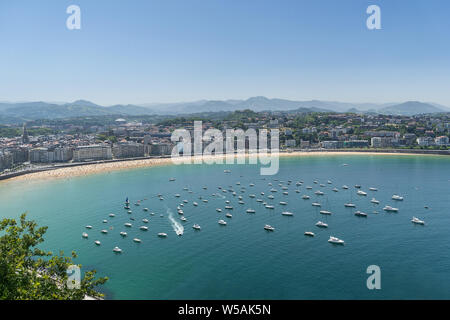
241	260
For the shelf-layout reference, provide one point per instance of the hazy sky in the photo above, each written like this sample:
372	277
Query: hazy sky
178	50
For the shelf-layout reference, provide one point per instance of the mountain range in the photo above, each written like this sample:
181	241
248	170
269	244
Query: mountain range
23	111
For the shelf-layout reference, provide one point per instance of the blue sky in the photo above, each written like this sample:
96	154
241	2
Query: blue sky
181	50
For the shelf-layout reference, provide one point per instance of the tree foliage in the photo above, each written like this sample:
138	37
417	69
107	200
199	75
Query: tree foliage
27	272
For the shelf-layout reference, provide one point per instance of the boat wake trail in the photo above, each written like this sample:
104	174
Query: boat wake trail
177	227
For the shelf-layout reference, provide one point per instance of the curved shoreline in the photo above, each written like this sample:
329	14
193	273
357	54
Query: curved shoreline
84	169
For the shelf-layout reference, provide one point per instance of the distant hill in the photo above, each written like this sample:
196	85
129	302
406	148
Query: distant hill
410	108
24	111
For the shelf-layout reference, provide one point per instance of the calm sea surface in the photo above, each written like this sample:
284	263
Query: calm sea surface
241	260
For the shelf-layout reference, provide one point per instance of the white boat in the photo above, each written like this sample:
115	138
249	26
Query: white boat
361	193
361	214
226	171
229	215
238	183
270	197
205	200
329	182
309	234
335	189
287	213
283	203
180	212
373	189
129	211
251	184
357	186
306	197
322	185
137	240
321	224
297	191
251	195
97	242
250	211
222	222
285	193
309	188
375	201
104	231
349	205
269	227
112	215
145	209
145	220
241	202
259	200
88	227
417	221
195	203
316	204
273	190
172	179
84	235
143	228
162	235
269	207
105	221
185	201
123	234
344	187
319	193
285	188
390	209
183	219
219	210
177	195
325	212
262	193
196	227
117	250
227	201
335	240
229	207
397	197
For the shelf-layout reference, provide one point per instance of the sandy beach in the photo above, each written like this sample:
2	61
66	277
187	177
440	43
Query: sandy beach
84	170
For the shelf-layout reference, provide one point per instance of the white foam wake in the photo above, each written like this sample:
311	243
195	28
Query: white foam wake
177	227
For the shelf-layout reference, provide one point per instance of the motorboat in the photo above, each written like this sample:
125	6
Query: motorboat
335	240
335	190
251	195
104	231
375	201
228	215
117	250
309	188
397	197
84	235
162	235
361	214
309	234
97	242
316	204
373	189
143	228
417	221
195	203
112	215
269	227
229	207
172	179
145	209
325	212
145	220
283	203
137	240
357	186
285	193
183	219
180	212
88	227
344	187
390	209
287	213
319	193
361	193
123	234
222	222
177	195
105	221
250	211
269	207
321	224
219	210
349	205
306	197
270	197
196	227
